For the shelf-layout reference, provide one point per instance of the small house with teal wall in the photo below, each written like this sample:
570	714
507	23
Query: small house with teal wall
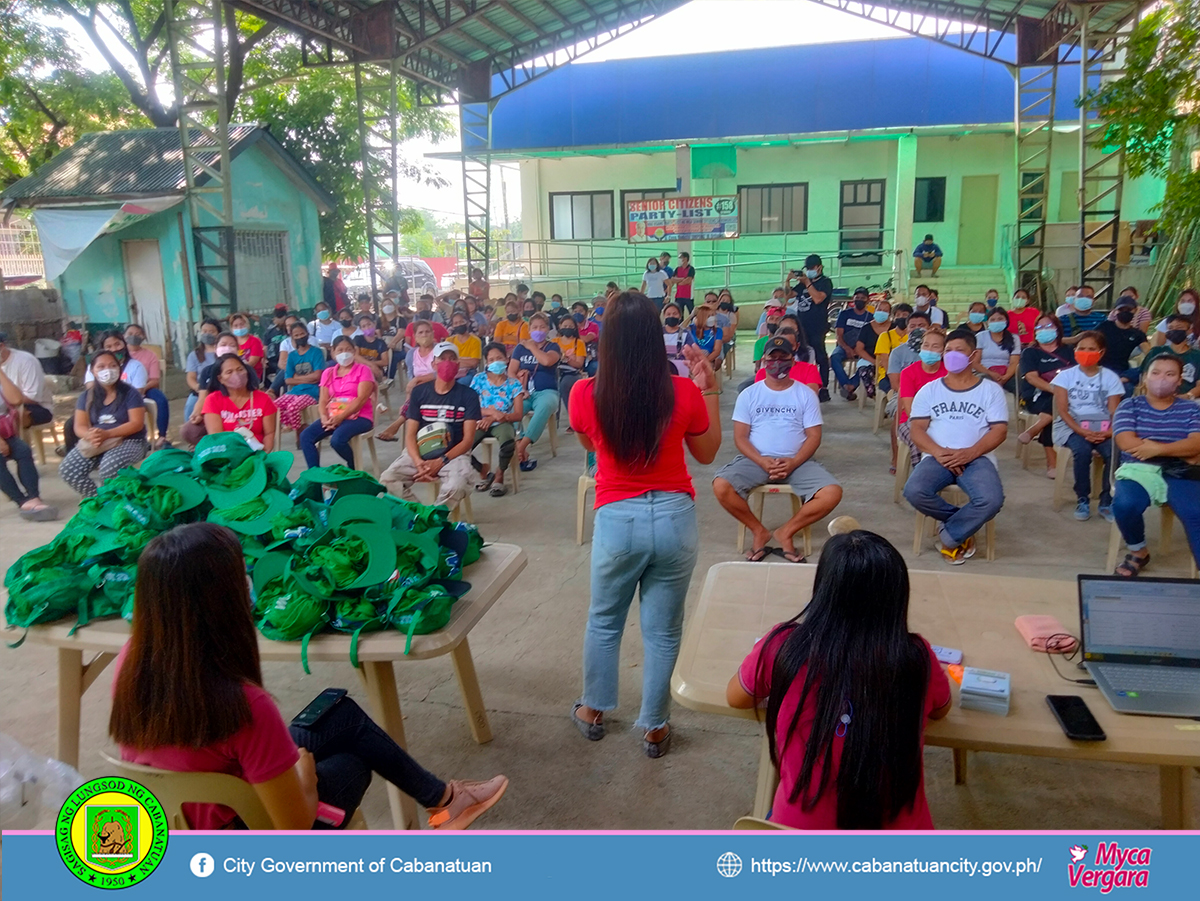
117	238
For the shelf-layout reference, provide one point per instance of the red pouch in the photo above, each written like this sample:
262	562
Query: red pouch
1045	634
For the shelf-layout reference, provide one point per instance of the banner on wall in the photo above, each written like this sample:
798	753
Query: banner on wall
681	219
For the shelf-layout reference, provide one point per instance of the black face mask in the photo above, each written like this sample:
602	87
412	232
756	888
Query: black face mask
673	321
1125	316
513	317
772	327
568	332
860	305
425	315
726	306
300	342
459	329
345	323
1176	335
901	323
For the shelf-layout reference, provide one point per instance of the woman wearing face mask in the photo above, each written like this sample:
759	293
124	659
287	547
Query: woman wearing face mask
654	281
422	368
204	354
535	362
250	348
193	428
913	378
574	357
803	369
302	377
1141	315
346	326
707	334
1187	305
370	347
977	314
502	405
478	319
868	340
1023	317
1085	399
589	334
234	403
392	326
470	349
109	424
1159	437
324	327
676	337
133	373
999	351
891	340
345	405
1068	305
992	298
1040	363
512	330
135	337
1177	344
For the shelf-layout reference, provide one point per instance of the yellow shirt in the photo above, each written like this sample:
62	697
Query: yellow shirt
885	344
468	346
573	346
510	334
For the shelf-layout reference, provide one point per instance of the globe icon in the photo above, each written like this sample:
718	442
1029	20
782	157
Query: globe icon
729	865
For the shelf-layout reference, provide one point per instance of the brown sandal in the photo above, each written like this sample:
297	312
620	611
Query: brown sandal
1131	566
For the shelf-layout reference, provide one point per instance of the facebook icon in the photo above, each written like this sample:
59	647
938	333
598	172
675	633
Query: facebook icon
202	865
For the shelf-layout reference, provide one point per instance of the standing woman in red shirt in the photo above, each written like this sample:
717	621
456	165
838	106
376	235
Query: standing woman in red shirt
637	415
1023	317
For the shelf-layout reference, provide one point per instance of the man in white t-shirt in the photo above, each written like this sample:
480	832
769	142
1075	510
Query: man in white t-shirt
25	372
777	429
957	422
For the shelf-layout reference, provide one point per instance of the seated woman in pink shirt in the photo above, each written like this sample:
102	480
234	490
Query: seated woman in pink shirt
848	690
210	713
346	405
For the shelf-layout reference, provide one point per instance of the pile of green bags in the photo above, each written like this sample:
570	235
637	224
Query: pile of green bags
331	551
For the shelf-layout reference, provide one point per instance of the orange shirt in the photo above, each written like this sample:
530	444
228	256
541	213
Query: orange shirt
510	334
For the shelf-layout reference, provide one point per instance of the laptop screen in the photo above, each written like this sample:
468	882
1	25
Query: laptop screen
1148	619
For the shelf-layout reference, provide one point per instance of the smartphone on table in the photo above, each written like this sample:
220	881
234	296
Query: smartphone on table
1076	720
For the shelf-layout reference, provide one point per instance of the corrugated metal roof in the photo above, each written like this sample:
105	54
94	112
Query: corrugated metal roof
117	165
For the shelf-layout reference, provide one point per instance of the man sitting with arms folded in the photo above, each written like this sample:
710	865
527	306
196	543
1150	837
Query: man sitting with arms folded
777	429
958	422
438	435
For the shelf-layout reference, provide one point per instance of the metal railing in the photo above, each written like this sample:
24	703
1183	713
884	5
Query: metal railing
750	264
20	252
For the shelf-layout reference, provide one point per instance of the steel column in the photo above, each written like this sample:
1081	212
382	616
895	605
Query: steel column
1101	168
196	36
475	130
376	89
1035	100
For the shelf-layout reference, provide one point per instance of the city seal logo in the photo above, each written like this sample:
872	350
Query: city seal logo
111	833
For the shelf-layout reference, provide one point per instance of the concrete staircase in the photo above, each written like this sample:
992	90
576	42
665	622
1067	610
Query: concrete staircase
959	286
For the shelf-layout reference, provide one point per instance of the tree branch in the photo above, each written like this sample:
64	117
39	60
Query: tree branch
54	120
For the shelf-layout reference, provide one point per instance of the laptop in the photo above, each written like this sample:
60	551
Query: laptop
1141	642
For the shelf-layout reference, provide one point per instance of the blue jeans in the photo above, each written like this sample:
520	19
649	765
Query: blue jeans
189	406
647	543
837	361
340	440
979	480
19	452
544	404
164	409
1131	500
1081	460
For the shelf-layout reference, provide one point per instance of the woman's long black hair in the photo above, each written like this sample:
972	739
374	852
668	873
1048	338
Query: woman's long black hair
96	399
802	345
861	661
633	392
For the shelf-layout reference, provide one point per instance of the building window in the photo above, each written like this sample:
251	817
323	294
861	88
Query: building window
861	222
585	216
262	268
773	208
929	200
647	194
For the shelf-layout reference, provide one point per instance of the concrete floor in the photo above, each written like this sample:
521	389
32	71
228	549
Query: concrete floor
527	652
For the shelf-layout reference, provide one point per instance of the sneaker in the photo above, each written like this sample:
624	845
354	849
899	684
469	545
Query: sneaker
1106	513
953	555
851	396
467	801
1083	510
823	395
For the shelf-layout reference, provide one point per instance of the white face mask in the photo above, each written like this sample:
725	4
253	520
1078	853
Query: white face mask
812	273
1019	302
653	267
225	350
389	309
107	376
711	321
344	358
1187	308
922	300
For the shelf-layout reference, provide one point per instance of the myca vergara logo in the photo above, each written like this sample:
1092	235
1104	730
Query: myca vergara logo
111	833
1111	867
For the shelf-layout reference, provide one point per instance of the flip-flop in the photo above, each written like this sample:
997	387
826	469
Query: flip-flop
499	490
485	483
43	513
756	555
790	558
528	465
1133	564
382	437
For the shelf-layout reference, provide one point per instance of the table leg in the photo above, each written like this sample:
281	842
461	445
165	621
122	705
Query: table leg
70	695
768	781
381	689
1175	789
960	766
468	684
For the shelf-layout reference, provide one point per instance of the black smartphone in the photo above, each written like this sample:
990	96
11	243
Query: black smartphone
318	707
1076	720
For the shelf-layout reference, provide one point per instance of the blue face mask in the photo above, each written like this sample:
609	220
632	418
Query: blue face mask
241	332
881	316
599	311
556	304
323	315
1045	335
992	301
497	367
579	317
1083	303
931	357
997	326
976	318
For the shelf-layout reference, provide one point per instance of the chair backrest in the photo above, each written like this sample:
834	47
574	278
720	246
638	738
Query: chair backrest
757	823
173	790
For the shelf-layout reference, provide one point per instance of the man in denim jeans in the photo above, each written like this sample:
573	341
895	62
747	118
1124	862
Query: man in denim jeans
958	422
